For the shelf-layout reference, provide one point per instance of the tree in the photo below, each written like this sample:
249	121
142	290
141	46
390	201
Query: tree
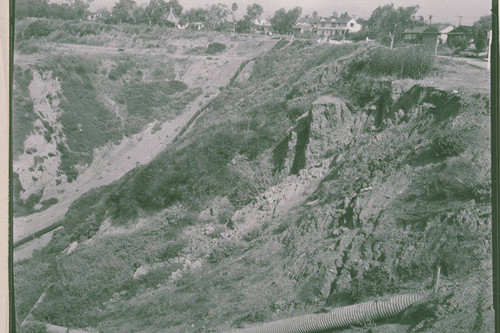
283	21
176	7
480	30
315	15
122	11
244	25
196	15
254	11
63	11
217	15
139	16
31	8
103	14
81	7
389	21
234	8
155	11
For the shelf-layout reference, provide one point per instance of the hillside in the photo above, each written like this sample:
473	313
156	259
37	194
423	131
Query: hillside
319	176
87	114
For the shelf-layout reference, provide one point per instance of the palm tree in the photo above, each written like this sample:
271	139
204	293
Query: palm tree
234	8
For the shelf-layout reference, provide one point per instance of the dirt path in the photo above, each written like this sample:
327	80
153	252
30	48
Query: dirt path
111	162
471	61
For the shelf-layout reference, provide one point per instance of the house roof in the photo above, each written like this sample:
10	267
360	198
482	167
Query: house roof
443	27
415	30
331	27
303	25
263	22
344	19
463	29
431	30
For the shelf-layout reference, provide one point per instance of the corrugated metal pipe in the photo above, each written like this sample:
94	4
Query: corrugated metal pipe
351	315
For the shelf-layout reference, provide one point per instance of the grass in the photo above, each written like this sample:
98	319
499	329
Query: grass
408	62
22	119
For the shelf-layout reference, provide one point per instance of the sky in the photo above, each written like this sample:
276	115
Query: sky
444	11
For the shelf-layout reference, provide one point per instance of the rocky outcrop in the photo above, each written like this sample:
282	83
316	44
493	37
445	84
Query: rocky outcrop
326	126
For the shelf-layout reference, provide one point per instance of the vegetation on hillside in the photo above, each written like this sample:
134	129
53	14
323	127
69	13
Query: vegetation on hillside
405	195
101	100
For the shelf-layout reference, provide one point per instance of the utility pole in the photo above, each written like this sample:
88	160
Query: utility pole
460	22
490	37
430	19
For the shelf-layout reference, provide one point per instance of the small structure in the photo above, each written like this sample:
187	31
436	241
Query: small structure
414	34
444	29
337	26
262	26
462	32
430	36
303	27
198	25
351	24
427	35
172	18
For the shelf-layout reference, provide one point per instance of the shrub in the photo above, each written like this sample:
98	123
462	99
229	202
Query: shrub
408	62
225	248
279	45
171	250
37	29
25	47
49	202
457	241
142	98
447	143
214	48
374	281
459	43
33	327
122	68
252	234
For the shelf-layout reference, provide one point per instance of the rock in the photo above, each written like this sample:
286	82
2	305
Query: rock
141	271
326	126
72	247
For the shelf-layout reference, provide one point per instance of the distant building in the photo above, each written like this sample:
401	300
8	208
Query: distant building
427	35
172	18
352	25
461	32
430	36
303	26
262	25
336	26
444	29
414	34
198	25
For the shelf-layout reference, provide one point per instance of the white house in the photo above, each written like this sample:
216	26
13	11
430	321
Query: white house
337	26
262	25
353	26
